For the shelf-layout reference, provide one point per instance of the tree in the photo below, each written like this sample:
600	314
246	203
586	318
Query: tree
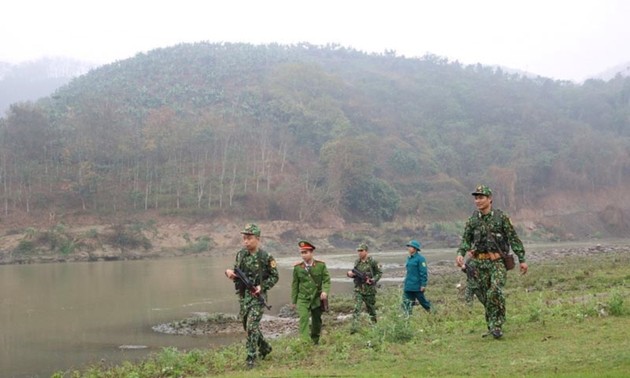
372	199
347	161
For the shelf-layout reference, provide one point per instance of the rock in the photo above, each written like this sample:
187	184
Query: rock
271	326
133	347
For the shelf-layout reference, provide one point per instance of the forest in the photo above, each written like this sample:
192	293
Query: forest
291	132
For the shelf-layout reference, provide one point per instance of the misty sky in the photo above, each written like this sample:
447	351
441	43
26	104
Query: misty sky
561	39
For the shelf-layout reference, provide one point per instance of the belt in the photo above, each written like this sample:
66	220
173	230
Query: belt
487	256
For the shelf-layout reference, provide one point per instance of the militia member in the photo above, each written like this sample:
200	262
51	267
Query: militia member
487	235
364	289
260	268
416	279
309	289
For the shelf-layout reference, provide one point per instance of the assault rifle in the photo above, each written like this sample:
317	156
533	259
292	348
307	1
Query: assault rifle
470	271
249	285
361	278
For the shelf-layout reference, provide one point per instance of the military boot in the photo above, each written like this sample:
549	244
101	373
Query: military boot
264	351
489	333
497	333
251	362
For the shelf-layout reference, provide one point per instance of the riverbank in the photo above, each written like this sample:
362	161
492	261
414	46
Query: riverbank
148	239
286	322
569	316
137	239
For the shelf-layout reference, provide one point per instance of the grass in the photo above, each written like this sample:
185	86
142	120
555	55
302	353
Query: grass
566	318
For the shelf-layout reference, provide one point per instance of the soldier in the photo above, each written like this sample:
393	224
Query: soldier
310	287
488	235
260	268
364	289
416	279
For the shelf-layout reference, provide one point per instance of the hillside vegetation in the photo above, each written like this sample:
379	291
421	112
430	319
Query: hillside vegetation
307	132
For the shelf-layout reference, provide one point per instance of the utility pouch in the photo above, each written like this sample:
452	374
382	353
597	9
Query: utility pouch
508	261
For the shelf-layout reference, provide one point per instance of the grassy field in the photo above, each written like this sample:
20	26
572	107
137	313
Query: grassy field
568	317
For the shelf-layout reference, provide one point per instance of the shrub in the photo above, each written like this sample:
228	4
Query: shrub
201	244
128	237
615	304
25	247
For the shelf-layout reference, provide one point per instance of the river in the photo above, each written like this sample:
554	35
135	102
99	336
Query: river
61	316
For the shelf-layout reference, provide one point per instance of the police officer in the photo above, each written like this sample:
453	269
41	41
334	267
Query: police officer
416	279
487	235
260	268
364	290
310	287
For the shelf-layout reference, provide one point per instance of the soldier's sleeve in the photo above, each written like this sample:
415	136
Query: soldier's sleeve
236	260
325	280
515	242
466	243
378	273
295	286
423	272
272	268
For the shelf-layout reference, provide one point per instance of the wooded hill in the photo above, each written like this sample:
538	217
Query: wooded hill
294	132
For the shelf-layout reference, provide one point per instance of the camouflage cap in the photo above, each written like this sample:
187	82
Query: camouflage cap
415	244
483	190
362	247
303	244
251	229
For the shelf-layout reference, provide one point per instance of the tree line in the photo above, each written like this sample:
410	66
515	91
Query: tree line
290	132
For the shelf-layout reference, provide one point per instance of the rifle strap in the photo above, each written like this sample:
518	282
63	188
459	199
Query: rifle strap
496	213
370	261
508	260
239	261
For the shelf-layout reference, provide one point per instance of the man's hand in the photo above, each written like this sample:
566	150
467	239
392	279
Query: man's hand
459	261
257	291
229	273
523	267
323	295
422	288
369	281
350	274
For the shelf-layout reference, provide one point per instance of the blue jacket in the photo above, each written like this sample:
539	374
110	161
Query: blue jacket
417	273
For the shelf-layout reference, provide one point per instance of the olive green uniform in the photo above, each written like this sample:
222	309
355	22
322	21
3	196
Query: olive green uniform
308	283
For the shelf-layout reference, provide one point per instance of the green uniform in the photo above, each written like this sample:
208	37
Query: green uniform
486	234
308	283
416	278
260	268
364	293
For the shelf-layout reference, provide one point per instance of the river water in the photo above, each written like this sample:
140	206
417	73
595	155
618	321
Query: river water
55	317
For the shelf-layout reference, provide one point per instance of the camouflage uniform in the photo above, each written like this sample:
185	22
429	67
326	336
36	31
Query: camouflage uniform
307	285
471	282
485	234
364	293
260	268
